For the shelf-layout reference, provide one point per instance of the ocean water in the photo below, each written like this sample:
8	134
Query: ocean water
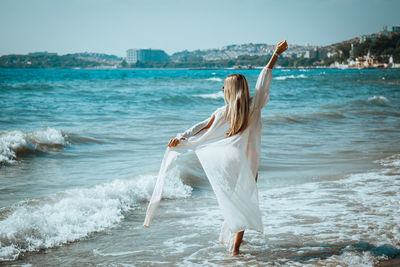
80	150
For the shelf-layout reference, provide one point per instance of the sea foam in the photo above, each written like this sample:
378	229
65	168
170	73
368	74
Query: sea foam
218	95
290	77
214	79
14	142
360	207
74	214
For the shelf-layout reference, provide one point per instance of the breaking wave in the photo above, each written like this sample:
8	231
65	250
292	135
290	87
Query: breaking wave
74	214
17	142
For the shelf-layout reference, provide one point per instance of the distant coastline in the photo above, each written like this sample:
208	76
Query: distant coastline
380	50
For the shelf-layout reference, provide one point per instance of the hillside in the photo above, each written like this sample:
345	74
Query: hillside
375	50
52	60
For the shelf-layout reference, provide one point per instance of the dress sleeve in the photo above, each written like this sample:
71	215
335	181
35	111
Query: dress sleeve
193	130
261	93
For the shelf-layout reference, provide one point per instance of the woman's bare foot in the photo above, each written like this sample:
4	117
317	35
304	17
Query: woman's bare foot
235	252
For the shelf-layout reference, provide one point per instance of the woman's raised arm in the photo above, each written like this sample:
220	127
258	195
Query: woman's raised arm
261	94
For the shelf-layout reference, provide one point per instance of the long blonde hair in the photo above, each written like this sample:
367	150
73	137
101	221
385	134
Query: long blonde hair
237	98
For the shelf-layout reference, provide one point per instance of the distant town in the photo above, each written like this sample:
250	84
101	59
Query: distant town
377	50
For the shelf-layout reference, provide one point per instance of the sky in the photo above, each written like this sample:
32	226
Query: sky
113	26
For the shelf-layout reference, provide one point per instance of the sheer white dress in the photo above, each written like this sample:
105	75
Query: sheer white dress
230	164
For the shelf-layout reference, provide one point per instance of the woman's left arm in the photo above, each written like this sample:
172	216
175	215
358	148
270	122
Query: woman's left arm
192	131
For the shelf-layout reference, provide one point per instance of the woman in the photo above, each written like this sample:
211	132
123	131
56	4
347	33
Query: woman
228	147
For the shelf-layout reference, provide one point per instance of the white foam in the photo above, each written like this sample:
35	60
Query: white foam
15	141
349	258
318	223
219	95
74	214
47	136
359	207
290	77
116	254
390	162
215	79
378	99
178	245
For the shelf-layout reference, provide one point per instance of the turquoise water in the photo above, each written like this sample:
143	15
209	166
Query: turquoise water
79	151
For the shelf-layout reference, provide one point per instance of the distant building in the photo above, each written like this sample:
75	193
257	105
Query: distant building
131	56
146	55
396	28
314	53
331	54
384	31
322	53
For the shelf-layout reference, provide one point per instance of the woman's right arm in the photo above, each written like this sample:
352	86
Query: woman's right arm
261	94
280	48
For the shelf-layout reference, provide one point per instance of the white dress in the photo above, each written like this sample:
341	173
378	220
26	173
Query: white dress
230	163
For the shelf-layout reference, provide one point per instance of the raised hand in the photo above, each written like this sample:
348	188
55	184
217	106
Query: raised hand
281	47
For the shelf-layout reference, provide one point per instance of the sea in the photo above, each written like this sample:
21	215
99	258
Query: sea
80	151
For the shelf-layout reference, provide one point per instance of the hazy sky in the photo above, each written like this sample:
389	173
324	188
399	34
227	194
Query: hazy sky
113	26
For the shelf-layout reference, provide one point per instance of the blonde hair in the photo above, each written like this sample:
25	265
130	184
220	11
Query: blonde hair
236	93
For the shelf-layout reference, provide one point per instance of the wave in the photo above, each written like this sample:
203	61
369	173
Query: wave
392	162
215	79
378	99
290	77
304	118
218	95
29	87
180	99
74	214
15	143
86	140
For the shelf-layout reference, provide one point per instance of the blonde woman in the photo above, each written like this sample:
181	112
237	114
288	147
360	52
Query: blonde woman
228	147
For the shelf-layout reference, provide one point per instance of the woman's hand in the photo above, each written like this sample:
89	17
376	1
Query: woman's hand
281	47
173	142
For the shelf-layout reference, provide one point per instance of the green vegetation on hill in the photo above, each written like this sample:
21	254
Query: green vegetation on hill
382	48
43	61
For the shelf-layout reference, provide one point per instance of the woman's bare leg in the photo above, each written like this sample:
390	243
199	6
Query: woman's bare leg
239	237
238	241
